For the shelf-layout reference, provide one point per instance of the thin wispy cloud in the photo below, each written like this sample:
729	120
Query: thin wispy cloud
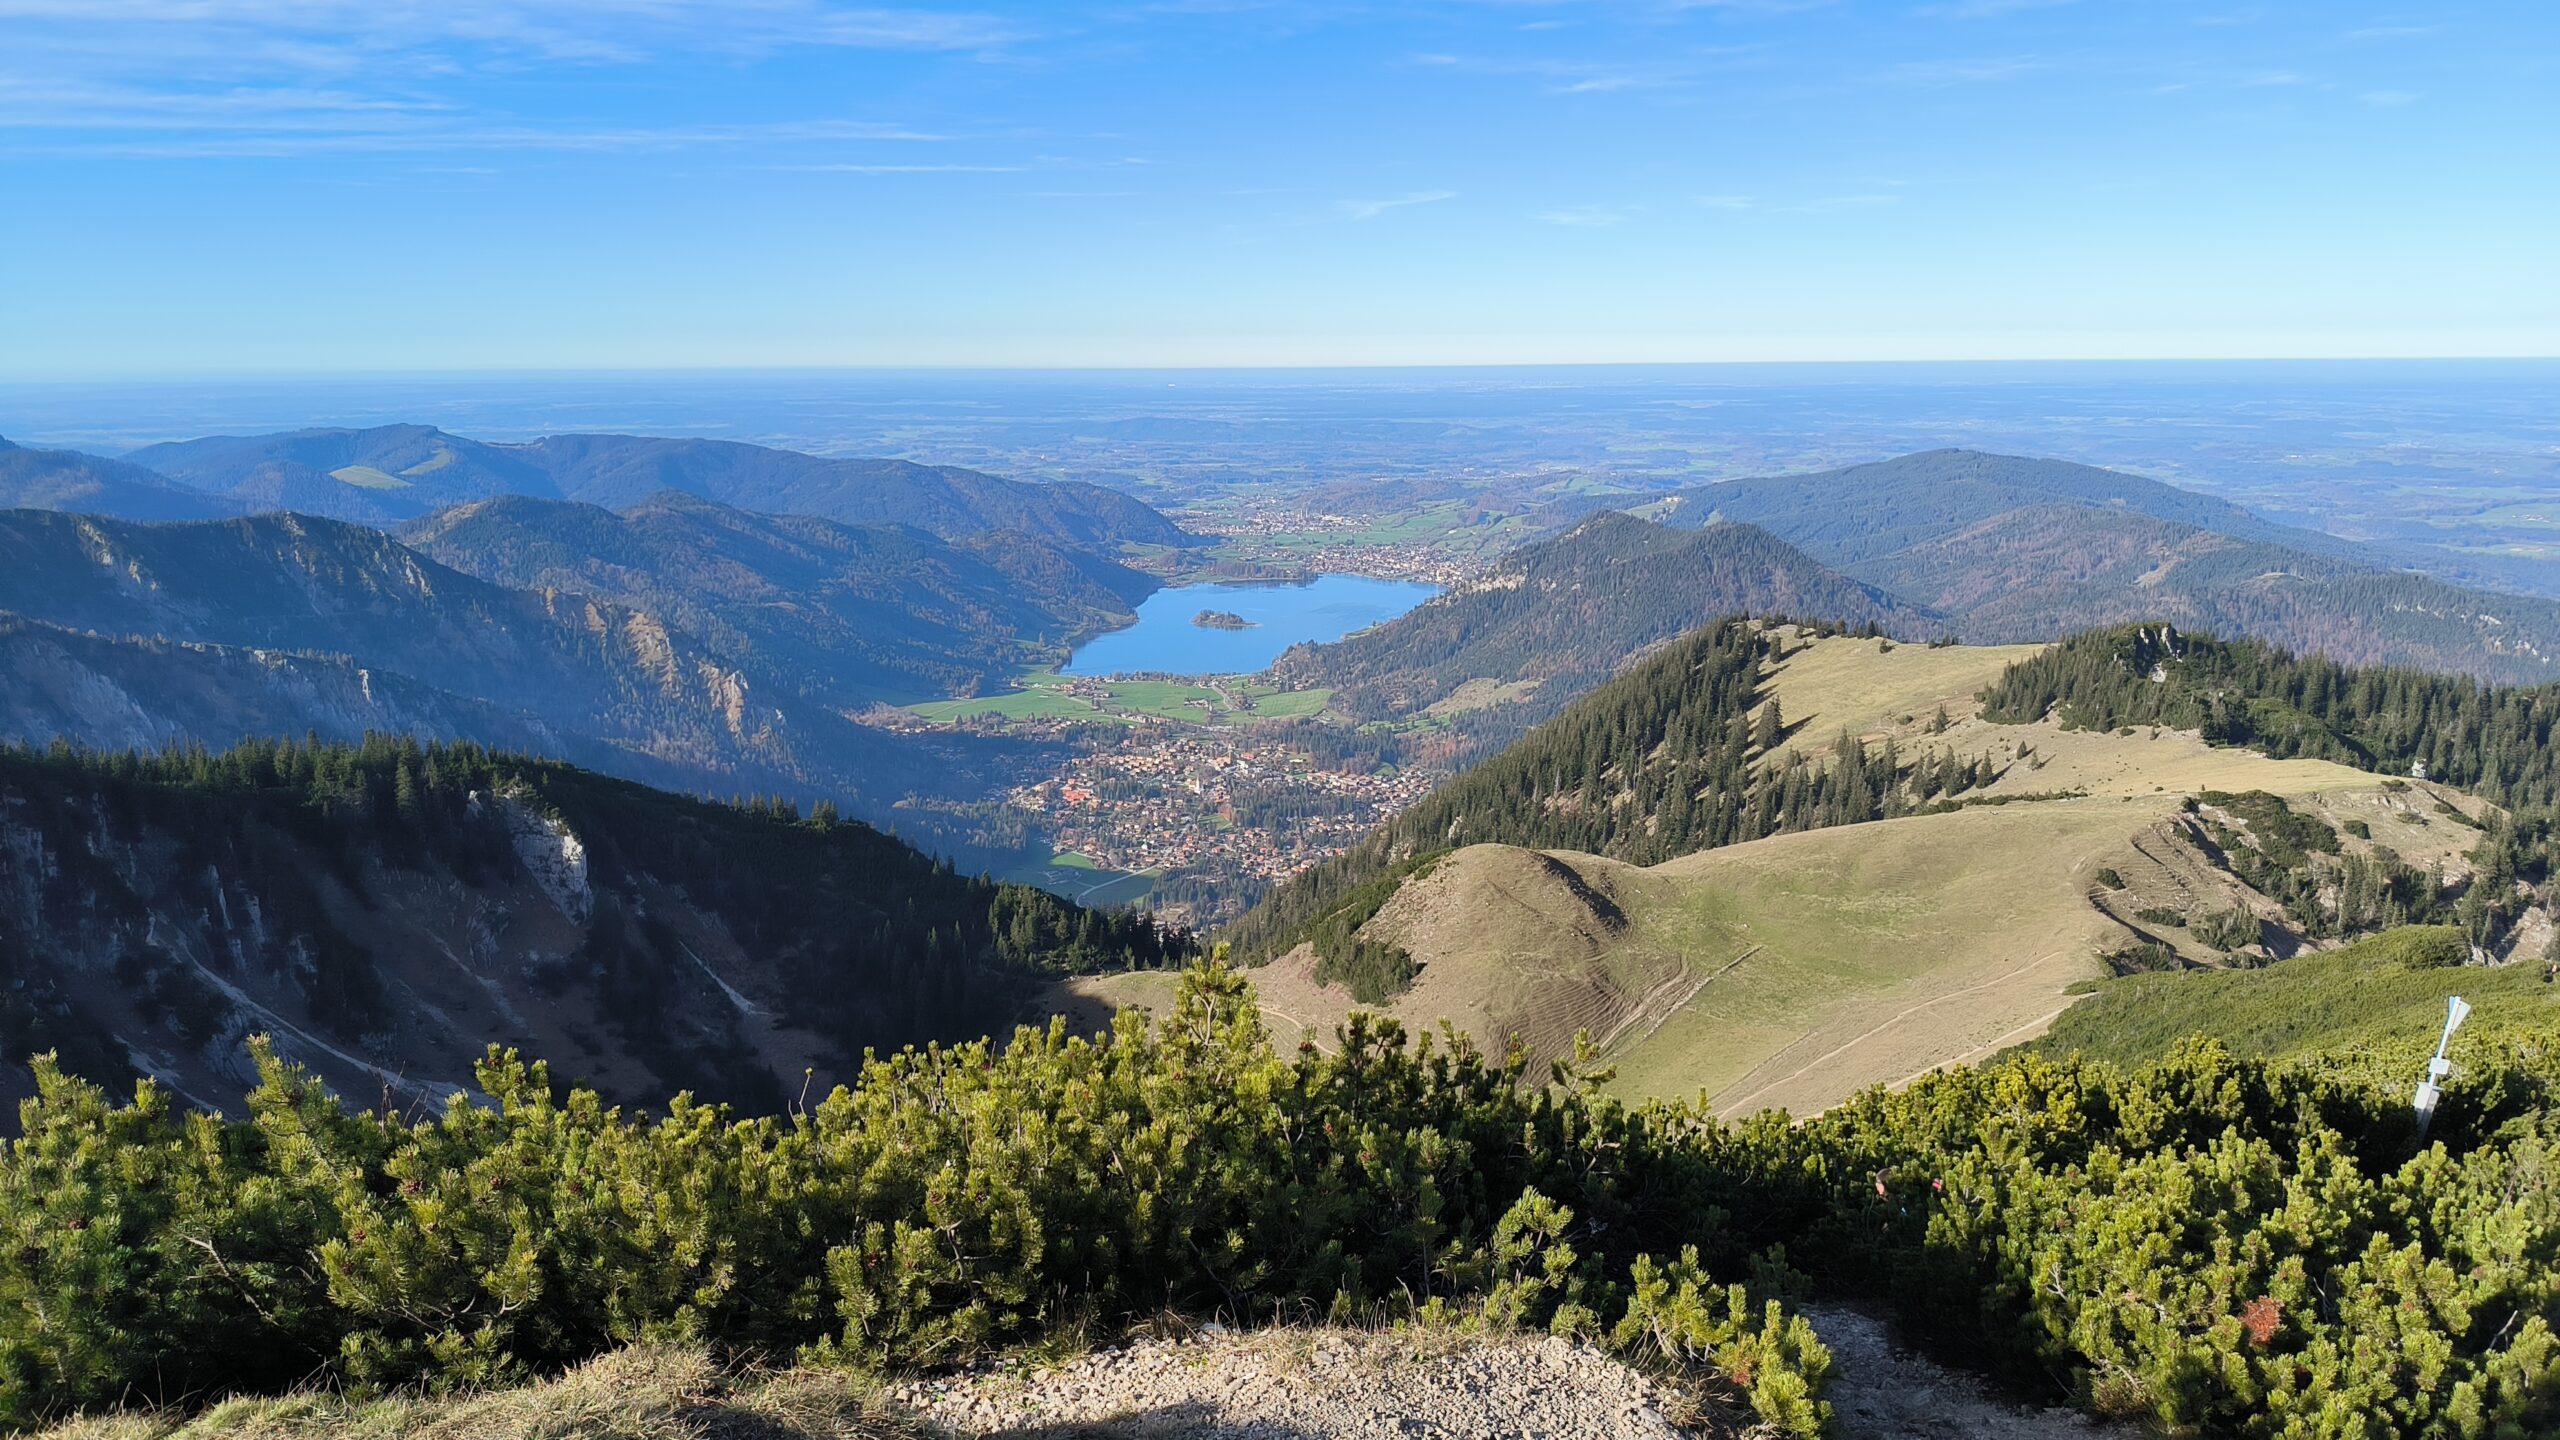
1979	70
577	30
2244	80
219	77
239	108
858	169
1372	209
288	134
1561	75
1747	7
1989	9
1588	217
1818	205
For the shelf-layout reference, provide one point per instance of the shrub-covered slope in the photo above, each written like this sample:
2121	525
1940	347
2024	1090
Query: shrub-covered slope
2382	998
2222	1246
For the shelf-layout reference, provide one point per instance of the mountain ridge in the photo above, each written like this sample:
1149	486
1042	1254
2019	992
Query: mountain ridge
1953	485
34	478
851	614
627	688
2014	548
391	473
1558	616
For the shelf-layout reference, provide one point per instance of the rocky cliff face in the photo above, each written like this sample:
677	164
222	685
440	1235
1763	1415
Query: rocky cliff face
552	855
142	693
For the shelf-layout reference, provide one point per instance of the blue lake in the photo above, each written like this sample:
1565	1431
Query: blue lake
1164	641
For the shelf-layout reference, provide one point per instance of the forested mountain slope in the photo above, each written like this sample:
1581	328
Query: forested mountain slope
840	612
1551	620
385	911
1656	763
401	472
2499	741
68	480
613	683
2008	548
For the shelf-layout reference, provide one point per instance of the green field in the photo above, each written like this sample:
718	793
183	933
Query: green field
433	463
1036	703
1045	694
1445	526
1289	704
1078	878
365	477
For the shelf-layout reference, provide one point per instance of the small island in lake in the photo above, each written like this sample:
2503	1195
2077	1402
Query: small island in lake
1221	620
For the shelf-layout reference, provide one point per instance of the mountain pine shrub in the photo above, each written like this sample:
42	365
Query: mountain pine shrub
2219	1245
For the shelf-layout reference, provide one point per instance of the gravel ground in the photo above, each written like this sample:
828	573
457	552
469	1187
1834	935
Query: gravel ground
1321	1384
1882	1390
1310	1385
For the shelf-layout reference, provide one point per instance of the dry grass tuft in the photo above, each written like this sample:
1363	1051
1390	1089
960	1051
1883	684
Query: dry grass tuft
648	1392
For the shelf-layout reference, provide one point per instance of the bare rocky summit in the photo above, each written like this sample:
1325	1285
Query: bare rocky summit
1334	1384
1306	1384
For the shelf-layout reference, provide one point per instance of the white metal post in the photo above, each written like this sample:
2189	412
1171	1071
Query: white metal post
2431	1089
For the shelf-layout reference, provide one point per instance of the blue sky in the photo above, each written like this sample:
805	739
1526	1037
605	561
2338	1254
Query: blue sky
199	186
